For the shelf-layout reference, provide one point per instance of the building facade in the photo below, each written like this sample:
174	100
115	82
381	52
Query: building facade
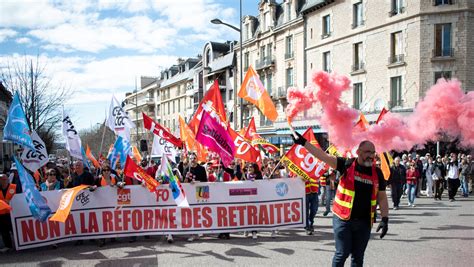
7	149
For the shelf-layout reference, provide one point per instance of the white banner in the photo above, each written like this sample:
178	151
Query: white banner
214	208
118	120
35	159
161	146
73	141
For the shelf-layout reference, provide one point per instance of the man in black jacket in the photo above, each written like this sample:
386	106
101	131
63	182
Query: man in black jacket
396	181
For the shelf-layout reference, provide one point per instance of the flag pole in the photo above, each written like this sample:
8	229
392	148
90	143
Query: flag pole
103	136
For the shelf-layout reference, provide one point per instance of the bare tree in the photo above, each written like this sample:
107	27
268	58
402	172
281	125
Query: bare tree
42	99
97	139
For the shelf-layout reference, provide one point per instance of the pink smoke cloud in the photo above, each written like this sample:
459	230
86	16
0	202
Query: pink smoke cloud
444	109
299	100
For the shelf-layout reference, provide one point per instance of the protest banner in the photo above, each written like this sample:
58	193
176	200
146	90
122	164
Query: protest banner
132	211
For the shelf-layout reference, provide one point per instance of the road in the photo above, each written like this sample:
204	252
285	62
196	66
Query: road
434	233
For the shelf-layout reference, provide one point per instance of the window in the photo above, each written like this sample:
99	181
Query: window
169	108
357	15
357	95
208	56
327	61
269	83
231	94
179	105
174	110
174	125
397	7
443	40
288	11
262	53
269	51
264	121
326	26
246	61
442	74
358	57
396	91
289	77
396	55
289	47
443	2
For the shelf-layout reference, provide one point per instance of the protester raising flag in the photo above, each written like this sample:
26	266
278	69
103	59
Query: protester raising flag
253	91
211	103
16	128
33	159
118	120
176	188
132	170
189	138
215	137
161	131
303	163
65	205
38	207
73	141
120	151
243	149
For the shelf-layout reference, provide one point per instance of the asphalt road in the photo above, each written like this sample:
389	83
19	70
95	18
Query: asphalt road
434	233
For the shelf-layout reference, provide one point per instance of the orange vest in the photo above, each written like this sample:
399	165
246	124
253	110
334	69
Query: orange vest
104	183
10	192
311	186
344	199
322	180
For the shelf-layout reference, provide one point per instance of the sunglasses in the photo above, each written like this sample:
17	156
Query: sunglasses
52	173
106	170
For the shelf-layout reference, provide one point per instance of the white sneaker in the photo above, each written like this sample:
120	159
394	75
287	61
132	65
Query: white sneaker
273	235
413	205
246	234
254	235
169	239
191	238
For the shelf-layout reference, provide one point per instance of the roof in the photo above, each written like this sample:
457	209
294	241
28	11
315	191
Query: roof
220	47
178	77
312	5
222	62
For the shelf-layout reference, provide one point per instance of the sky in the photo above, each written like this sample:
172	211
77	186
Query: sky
98	48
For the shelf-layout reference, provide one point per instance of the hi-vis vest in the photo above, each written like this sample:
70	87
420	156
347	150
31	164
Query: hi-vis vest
344	199
311	186
103	182
10	192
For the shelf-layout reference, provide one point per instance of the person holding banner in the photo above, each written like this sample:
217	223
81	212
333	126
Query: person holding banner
360	188
81	176
7	192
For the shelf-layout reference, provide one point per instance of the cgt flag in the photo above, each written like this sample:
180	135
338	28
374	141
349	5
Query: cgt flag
33	159
134	171
38	207
216	138
253	91
178	192
161	131
16	128
65	204
303	163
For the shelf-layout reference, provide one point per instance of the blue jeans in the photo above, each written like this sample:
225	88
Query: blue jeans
329	197
351	237
465	186
312	203
411	193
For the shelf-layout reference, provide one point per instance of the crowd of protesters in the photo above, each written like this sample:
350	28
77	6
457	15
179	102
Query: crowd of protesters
411	176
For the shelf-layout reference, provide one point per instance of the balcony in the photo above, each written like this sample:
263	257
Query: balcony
357	24
396	60
265	62
442	2
358	67
146	101
396	11
395	103
443	54
281	92
289	55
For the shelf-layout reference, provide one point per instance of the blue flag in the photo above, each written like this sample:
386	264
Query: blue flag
17	129
121	149
85	160
38	207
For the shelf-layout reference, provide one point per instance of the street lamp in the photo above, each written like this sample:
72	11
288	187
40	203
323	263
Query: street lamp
218	21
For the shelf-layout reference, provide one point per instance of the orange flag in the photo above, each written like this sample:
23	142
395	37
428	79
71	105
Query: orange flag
91	157
362	123
4	206
384	157
212	103
253	91
381	115
65	204
188	137
243	149
302	163
136	154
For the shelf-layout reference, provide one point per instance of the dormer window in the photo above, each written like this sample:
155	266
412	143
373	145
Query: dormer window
208	56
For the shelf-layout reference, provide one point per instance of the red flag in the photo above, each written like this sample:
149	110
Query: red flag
303	163
212	103
251	132
134	171
243	149
361	124
381	115
161	131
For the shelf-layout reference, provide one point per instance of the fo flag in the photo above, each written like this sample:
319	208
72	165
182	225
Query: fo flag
118	120
160	131
16	129
178	192
73	141
38	207
134	171
213	135
33	159
243	149
303	163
